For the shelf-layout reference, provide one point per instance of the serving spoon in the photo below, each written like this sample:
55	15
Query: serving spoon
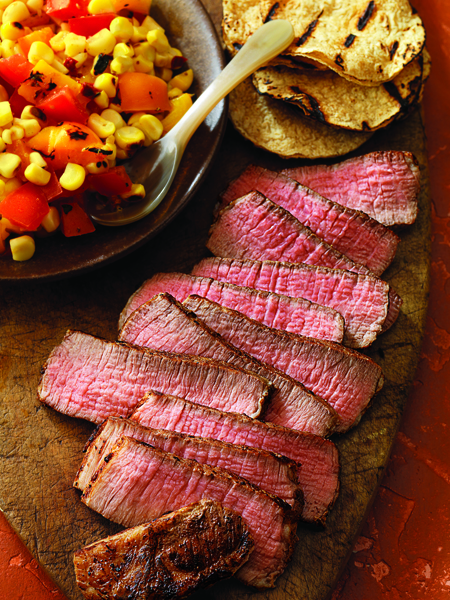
156	166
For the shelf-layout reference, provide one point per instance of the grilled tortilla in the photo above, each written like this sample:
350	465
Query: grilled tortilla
280	128
329	98
366	41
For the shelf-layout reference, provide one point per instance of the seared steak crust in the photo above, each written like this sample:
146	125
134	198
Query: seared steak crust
138	483
169	558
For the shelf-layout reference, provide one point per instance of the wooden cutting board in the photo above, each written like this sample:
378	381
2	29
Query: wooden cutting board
40	450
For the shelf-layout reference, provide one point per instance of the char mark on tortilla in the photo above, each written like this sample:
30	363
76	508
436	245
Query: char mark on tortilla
366	15
349	41
309	30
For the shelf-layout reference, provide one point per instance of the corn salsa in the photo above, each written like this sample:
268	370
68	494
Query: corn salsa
83	85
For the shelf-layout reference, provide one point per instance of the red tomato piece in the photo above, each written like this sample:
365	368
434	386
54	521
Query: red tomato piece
25	207
63	106
15	69
17	103
66	9
113	182
140	91
90	25
74	220
53	188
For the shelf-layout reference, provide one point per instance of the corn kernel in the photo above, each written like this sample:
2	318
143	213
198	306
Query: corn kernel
139	34
33	112
4	96
158	40
101	126
58	65
57	42
80	58
22	247
75	44
12	31
102	100
40	51
137	189
107	83
15	12
102	42
13	133
51	220
151	126
149	23
122	154
163	60
8	48
30	126
37	174
174	93
2	191
98	7
35	6
6	115
99	167
165	74
127	137
121	64
183	81
144	49
121	28
5	3
135	118
2	145
110	146
38	159
14	183
73	177
122	49
9	164
143	65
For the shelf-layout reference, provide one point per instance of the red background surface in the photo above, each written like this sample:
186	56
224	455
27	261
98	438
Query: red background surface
403	552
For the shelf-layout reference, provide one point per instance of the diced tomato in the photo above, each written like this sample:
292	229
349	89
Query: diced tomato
40	35
140	91
43	79
15	69
26	206
63	106
90	25
21	148
66	9
74	220
53	188
36	21
17	103
135	6
114	181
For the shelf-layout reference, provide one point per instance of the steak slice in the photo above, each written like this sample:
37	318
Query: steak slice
318	473
353	233
91	378
293	314
362	300
385	185
344	377
140	483
171	557
165	324
272	473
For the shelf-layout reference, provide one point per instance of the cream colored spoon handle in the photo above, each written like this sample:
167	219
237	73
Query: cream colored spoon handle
266	43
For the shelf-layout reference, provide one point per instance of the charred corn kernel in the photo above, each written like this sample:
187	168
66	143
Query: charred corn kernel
135	118
4	96
8	48
73	177
12	31
121	64
35	6
6	115
15	12
110	146
151	126
57	42
174	93
58	65
30	126
98	7
74	44
149	23
137	189
38	159
183	81
97	167
127	137
142	65
37	174
33	112
22	247
13	133
40	51
121	28
165	74
51	220
101	126
122	49
158	40
107	83
102	42
102	100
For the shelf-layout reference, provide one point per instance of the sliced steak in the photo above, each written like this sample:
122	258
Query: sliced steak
93	379
165	324
344	377
293	314
362	300
385	185
140	483
318	473
272	473
353	233
169	558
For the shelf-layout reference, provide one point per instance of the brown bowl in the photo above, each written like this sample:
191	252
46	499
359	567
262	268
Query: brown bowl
189	28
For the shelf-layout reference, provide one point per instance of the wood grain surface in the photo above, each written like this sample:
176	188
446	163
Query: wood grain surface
40	450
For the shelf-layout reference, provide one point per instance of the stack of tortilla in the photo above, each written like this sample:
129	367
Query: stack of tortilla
354	67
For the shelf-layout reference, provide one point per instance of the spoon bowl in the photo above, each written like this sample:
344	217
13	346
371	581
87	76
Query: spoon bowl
155	166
